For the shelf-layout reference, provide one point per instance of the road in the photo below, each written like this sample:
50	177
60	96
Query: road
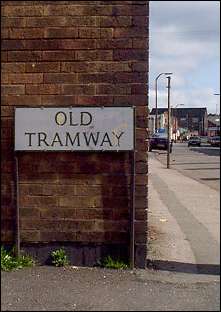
46	288
199	163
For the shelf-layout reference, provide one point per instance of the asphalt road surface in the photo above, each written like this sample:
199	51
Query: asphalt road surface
90	289
200	163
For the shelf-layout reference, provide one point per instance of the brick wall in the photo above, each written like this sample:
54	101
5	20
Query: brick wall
62	53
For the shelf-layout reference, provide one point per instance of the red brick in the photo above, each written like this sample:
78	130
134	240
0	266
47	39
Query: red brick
49	21
88	32
63	32
87	190
6	111
114	226
140	66
105	2
81	21
60	78
21	2
7	236
6	135
57	213
102	10
37	201
133	10
57	236
24	56
141	202
29	213
30	236
12	45
15	89
95	78
92	214
141	179
7	212
13	22
135	100
95	100
140	214
26	33
12	67
43	67
41	44
58	55
113	89
131	32
59	44
43	89
140	43
25	78
4	33
115	21
130	77
78	89
140	226
113	66
21	100
65	10
106	33
78	67
4	56
140	88
141	21
94	55
141	190
141	111
114	43
22	10
130	54
4	78
61	100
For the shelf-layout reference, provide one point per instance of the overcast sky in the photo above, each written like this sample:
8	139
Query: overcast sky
185	40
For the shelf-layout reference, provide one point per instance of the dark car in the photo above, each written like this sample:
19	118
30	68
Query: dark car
194	141
159	141
215	141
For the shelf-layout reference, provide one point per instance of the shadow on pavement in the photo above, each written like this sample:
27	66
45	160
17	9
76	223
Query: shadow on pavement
194	163
211	269
208	151
201	169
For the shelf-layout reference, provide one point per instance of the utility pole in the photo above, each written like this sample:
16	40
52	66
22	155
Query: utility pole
168	124
156	112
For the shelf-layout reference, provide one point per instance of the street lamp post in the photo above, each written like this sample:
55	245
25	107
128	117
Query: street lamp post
168	124
156	113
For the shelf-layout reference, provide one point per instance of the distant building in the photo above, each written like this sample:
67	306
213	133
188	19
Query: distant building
184	121
213	125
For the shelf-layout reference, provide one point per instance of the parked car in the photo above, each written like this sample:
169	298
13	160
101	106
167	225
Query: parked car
215	141
159	141
194	141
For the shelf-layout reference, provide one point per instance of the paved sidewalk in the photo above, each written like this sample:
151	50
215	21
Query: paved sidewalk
186	217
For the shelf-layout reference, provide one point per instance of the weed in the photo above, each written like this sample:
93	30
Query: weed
111	263
59	258
11	262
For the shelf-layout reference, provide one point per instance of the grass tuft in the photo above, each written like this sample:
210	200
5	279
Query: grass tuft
10	262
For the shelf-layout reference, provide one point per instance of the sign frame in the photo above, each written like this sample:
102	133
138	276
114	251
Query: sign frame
81	150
